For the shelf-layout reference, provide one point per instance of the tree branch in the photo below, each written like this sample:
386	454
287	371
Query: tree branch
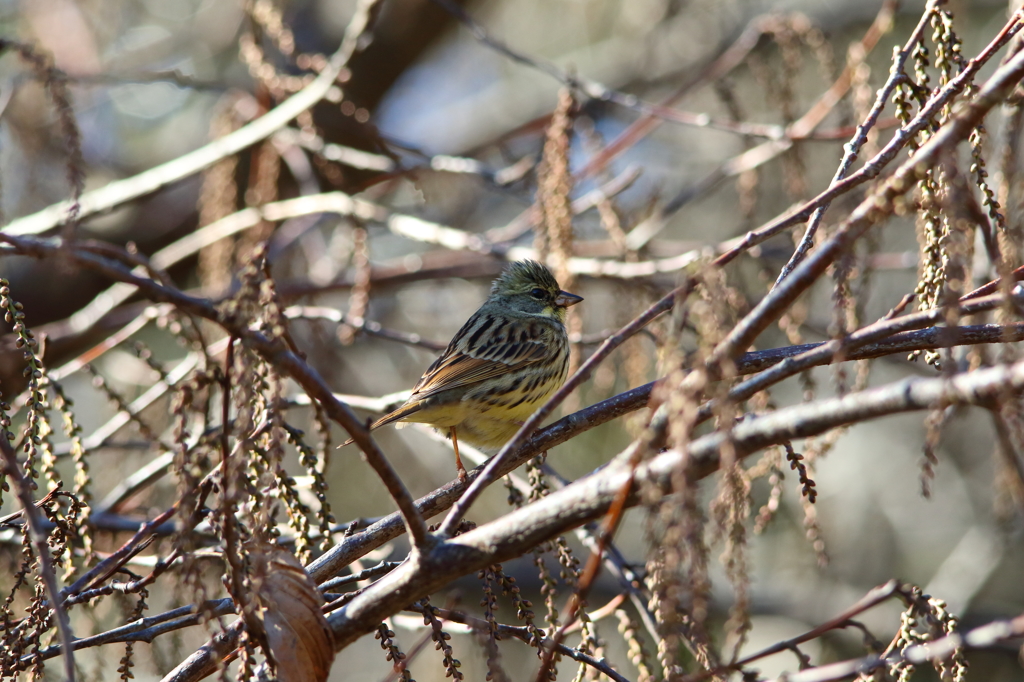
589	498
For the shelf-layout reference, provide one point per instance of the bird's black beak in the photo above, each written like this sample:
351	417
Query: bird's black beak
565	299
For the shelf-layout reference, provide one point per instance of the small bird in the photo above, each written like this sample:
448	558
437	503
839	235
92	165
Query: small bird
508	358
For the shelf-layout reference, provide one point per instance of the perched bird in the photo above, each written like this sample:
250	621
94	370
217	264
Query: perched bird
508	358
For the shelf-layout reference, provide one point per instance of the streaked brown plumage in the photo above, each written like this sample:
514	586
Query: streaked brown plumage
508	358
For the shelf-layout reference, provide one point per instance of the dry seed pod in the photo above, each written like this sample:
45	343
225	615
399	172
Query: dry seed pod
298	639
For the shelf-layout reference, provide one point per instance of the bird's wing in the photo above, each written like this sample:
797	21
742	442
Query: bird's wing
486	347
463	364
458	367
458	370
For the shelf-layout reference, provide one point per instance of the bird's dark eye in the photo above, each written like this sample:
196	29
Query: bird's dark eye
538	293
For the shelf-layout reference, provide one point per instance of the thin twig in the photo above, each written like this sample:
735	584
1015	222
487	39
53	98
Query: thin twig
40	541
524	635
983	637
368	327
880	203
874	167
728	60
766	151
877	596
852	148
147	629
883	333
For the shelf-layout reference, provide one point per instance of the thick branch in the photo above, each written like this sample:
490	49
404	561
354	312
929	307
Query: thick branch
436	502
589	498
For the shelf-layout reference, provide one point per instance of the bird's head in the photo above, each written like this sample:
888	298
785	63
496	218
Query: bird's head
529	287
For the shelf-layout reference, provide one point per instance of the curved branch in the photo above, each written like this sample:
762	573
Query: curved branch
274	351
122	191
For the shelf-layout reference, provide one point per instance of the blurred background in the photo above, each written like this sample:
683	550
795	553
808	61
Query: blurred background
436	124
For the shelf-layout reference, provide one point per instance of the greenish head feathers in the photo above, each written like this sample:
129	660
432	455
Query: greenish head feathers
529	287
521	277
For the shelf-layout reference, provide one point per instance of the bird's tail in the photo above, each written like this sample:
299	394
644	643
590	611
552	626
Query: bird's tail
399	414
